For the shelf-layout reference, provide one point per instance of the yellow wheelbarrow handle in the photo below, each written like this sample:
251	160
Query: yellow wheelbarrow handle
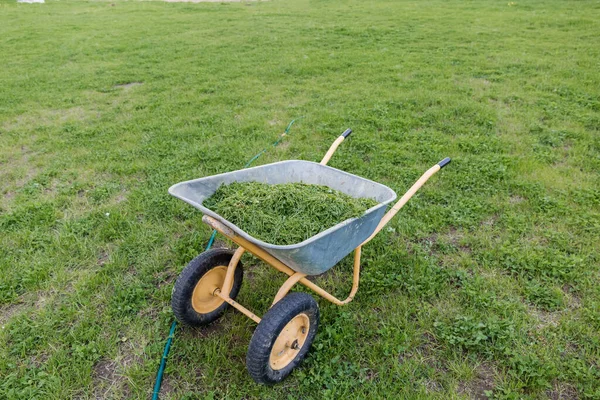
404	199
334	146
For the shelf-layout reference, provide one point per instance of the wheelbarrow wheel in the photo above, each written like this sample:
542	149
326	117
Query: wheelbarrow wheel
192	301
282	338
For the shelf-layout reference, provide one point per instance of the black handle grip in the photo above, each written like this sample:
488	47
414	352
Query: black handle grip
347	133
444	162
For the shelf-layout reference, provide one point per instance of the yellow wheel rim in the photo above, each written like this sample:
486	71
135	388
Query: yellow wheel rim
203	298
289	342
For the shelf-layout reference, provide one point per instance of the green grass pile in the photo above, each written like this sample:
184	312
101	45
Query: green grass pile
286	213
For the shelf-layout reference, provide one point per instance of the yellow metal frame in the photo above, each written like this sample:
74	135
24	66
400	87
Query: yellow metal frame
298	277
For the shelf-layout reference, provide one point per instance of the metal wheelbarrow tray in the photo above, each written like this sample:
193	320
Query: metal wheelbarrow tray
211	281
318	253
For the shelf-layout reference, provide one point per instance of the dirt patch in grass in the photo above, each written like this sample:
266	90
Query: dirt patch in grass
166	277
483	381
103	257
121	197
454	235
490	221
7	312
105	370
427	243
479	82
562	391
46	117
516	199
425	353
573	299
37	299
19	161
283	146
209	330
544	318
432	244
166	387
43	299
39	359
371	375
109	379
221	244
433	386
129	85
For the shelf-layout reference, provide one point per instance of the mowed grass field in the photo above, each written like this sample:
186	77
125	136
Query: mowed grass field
487	284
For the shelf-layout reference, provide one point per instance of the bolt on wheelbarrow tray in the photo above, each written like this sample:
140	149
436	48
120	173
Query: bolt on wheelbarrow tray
318	253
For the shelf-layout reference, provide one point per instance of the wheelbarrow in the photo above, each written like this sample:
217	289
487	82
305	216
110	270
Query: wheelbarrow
211	281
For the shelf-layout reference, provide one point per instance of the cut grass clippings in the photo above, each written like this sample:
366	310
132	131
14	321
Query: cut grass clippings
287	213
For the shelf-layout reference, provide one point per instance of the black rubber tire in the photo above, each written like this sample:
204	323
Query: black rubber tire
181	298
269	328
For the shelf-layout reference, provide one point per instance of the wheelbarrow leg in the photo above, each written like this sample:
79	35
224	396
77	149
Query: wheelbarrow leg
300	277
288	284
228	282
223	292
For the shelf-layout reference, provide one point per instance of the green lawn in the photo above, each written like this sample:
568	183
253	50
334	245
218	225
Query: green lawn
486	284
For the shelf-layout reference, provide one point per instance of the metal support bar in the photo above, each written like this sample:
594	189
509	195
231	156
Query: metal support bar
355	275
228	282
238	306
285	288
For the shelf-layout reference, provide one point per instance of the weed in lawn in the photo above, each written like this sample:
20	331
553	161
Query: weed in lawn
547	298
484	336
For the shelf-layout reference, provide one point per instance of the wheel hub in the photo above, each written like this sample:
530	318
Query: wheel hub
289	342
203	298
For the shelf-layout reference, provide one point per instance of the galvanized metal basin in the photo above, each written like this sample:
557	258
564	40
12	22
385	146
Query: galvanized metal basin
317	254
